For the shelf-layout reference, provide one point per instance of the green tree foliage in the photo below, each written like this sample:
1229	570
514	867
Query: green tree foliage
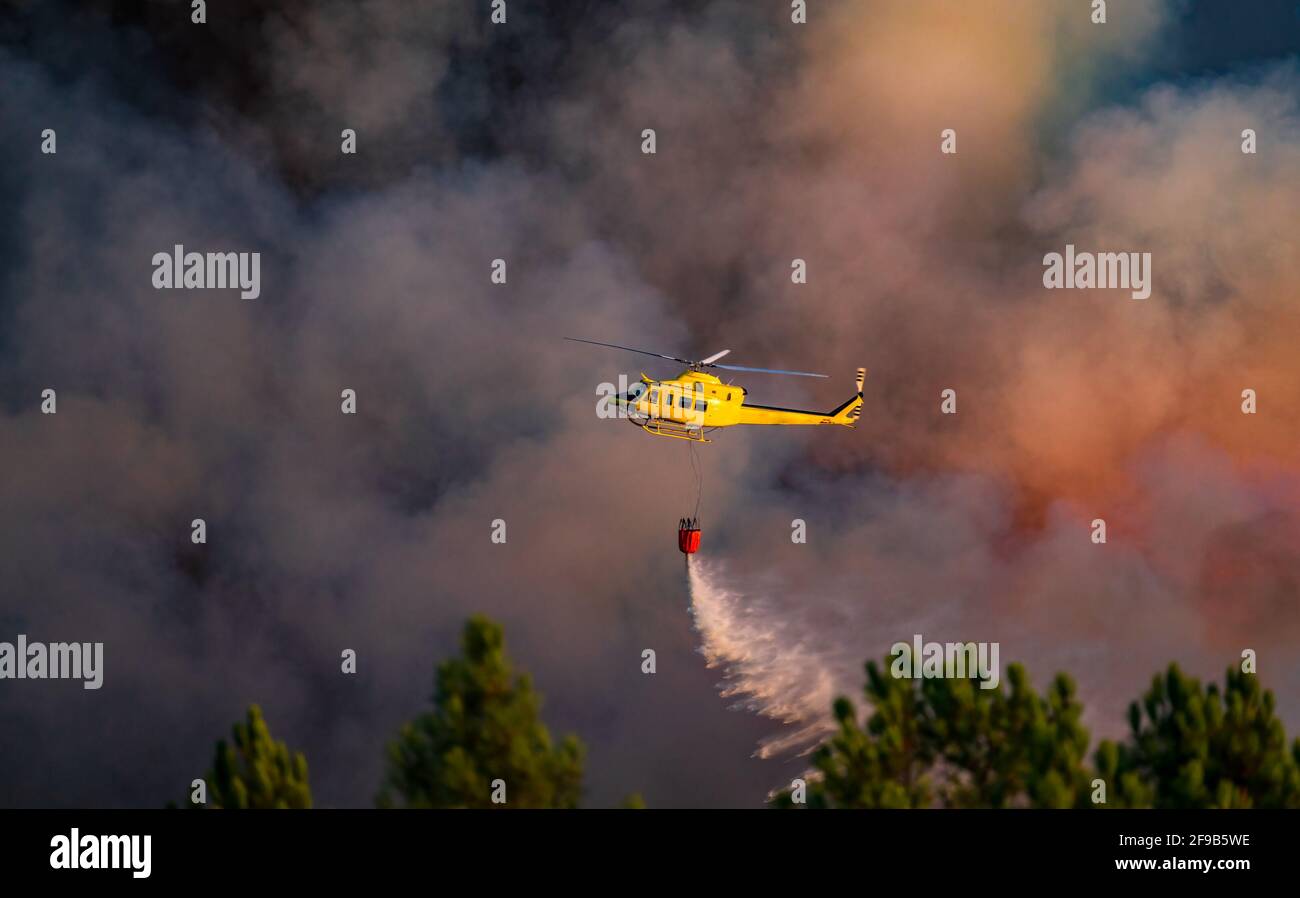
1199	747
949	743
1125	787
485	725
1007	748
884	765
256	771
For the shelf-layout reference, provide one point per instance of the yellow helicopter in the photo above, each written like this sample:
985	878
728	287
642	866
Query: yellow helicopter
695	401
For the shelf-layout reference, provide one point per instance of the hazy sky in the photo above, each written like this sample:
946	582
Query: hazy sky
522	141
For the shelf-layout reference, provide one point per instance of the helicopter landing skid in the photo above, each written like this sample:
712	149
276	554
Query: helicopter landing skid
661	427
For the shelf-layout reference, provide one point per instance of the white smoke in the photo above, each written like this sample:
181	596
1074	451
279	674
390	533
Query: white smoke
792	629
773	662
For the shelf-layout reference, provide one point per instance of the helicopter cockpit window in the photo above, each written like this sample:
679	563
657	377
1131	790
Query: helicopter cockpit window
634	392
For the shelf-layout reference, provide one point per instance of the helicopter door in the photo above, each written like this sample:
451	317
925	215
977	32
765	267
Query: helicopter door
668	404
682	410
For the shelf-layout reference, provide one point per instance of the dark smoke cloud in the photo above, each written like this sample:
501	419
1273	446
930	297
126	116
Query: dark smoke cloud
371	532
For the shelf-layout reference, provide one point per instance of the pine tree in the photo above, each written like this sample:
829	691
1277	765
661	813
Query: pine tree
484	726
256	771
947	742
1194	747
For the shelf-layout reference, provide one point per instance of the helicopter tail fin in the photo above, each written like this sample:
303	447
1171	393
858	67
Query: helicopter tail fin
848	413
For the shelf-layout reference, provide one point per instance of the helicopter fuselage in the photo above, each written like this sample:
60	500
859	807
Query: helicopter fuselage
694	401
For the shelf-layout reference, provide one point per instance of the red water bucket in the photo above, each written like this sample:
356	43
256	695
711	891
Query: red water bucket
688	536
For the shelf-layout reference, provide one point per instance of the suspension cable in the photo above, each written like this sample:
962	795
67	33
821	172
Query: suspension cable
697	469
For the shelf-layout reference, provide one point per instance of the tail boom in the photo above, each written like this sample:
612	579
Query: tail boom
847	414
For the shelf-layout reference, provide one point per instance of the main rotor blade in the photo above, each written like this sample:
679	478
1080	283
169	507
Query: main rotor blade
658	355
769	370
707	363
